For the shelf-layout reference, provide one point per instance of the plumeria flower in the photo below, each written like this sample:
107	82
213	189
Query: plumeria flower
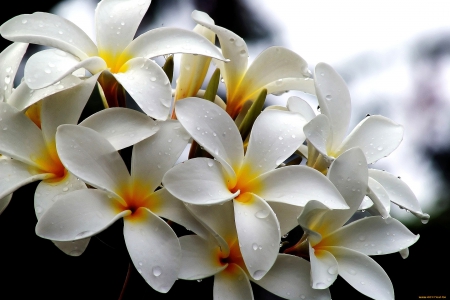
204	257
117	56
334	249
152	244
276	69
377	136
250	180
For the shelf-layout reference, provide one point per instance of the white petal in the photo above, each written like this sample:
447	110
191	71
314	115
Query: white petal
349	175
79	214
282	63
49	30
320	134
47	190
399	192
296	185
171	208
153	248
200	258
65	107
116	23
274	137
334	100
4	202
149	86
365	204
122	127
15	174
372	236
324	268
23	96
298	105
305	85
153	157
90	157
310	220
48	66
233	48
168	40
219	221
73	248
214	130
10	59
258	232
287	215
20	138
198	181
377	136
289	278
379	197
363	273
232	284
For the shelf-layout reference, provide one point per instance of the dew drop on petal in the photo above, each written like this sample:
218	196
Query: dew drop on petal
328	97
362	238
255	246
157	271
258	274
351	271
333	270
261	214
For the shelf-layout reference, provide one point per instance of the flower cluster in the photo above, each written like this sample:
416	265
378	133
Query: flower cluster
243	185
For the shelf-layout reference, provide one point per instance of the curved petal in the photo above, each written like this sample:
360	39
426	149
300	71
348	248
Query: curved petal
65	107
296	185
168	40
298	105
219	221
324	268
282	63
320	134
200	258
193	68
233	284
10	59
48	66
73	248
79	214
214	130
289	278
48	190
399	192
274	137
4	202
363	273
49	30
379	197
90	157
23	97
377	136
372	236
305	85
153	248
310	220
258	232
15	174
287	215
122	127
20	138
334	100
171	208
149	86
116	24
198	181
154	156
233	47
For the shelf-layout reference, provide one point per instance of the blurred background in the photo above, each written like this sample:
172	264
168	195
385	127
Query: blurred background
395	58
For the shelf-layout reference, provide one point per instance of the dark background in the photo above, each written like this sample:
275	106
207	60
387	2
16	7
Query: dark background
32	267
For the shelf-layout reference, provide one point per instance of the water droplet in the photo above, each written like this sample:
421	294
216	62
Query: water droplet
259	274
243	52
210	163
122	23
153	78
65	189
362	282
279	82
38	209
380	148
262	214
280	138
199	280
333	270
157	271
362	238
379	252
48	71
328	97
322	74
60	32
255	246
140	263
5	128
351	271
404	253
24	21
139	271
7	79
320	286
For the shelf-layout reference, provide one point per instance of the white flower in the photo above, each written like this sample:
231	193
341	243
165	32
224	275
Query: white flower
152	244
220	256
116	52
277	69
335	250
250	180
